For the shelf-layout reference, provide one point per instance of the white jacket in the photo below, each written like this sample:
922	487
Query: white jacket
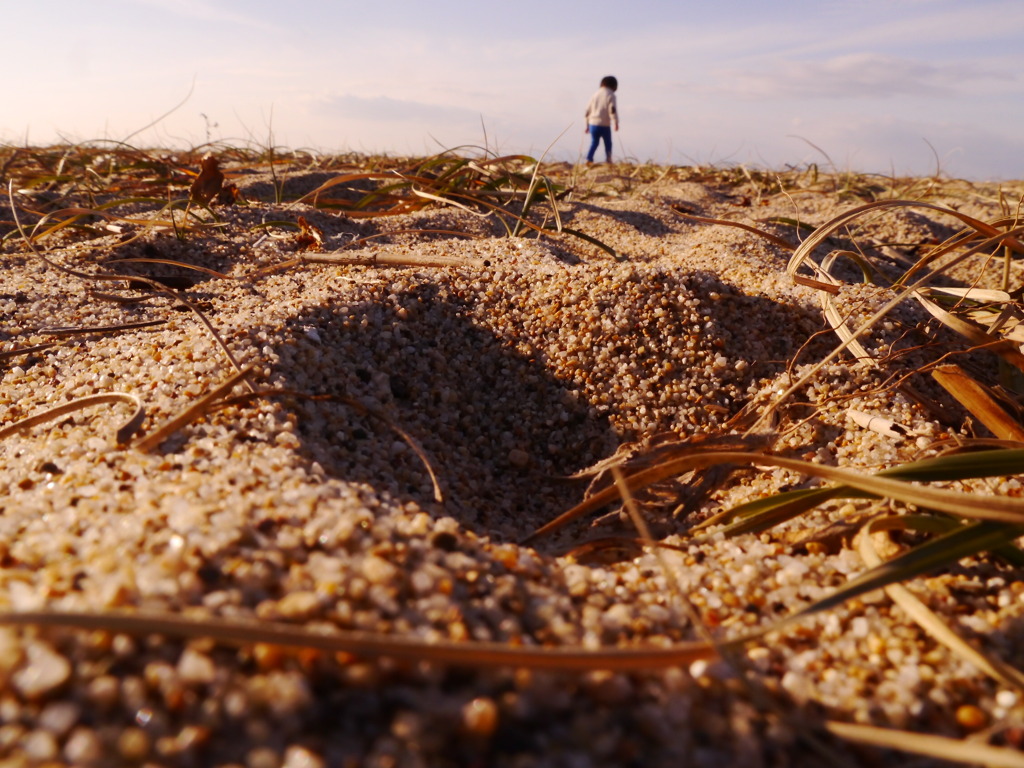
602	109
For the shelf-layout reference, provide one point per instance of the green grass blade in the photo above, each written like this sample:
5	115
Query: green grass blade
592	240
761	514
941	552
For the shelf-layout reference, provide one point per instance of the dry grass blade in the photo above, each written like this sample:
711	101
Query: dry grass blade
802	256
995	310
389	260
784	244
124	432
665	461
314	195
409	439
74	215
939	747
973	294
831	312
17	351
85	330
998	508
105	277
372	645
838	322
190	414
412	443
173	263
1007	350
448	201
391	233
831	288
979	402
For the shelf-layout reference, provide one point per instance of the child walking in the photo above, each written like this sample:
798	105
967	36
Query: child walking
602	114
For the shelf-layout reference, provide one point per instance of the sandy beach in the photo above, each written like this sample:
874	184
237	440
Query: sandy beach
344	431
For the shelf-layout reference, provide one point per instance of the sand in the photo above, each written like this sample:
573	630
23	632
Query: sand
406	421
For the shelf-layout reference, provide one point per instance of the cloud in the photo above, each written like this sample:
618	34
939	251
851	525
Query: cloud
945	26
855	75
204	11
387	109
960	149
905	145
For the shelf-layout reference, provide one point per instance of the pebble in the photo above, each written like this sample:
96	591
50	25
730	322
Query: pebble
1007	699
43	671
133	744
40	746
196	668
971	717
300	757
377	570
11	654
83	747
299	606
263	757
60	717
480	717
103	691
518	458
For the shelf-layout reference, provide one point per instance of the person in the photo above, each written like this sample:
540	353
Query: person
602	114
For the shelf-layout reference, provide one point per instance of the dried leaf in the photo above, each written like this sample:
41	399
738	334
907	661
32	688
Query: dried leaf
208	183
229	195
310	236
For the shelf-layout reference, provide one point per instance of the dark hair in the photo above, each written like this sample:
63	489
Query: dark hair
610	82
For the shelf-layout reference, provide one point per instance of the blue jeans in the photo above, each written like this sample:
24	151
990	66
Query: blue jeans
600	133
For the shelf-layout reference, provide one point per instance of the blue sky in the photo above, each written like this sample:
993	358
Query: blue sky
879	85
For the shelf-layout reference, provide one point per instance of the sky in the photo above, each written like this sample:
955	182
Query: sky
905	87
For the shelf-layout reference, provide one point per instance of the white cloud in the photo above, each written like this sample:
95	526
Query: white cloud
863	75
203	11
387	109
